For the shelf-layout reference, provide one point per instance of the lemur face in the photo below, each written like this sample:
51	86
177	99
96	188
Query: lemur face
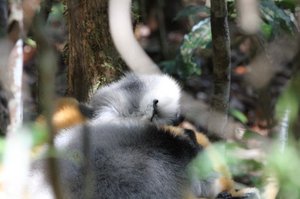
153	98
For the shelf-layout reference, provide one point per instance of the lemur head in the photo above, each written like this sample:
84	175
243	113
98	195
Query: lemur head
160	102
153	98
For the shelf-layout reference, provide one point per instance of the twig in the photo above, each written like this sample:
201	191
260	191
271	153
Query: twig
47	62
46	6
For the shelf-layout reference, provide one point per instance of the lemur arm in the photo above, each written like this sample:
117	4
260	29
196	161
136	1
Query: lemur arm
223	183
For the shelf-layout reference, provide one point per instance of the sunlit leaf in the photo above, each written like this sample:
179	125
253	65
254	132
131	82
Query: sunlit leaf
284	160
287	112
30	42
285	166
238	115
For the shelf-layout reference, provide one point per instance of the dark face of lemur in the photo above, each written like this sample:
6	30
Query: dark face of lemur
153	98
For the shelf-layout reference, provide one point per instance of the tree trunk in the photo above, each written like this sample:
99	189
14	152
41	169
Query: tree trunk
92	55
221	68
3	18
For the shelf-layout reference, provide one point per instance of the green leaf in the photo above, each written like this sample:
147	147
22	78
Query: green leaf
284	165
39	134
266	30
30	42
238	115
2	148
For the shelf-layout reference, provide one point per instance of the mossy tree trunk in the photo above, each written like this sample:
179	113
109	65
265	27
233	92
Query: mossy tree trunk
92	58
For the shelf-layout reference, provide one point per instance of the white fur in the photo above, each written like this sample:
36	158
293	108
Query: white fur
114	103
38	188
166	91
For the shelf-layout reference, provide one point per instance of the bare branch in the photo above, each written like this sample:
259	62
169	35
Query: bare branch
3	17
47	64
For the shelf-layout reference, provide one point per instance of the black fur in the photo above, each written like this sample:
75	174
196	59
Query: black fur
87	111
125	161
192	138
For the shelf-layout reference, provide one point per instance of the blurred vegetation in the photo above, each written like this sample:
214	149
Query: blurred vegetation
276	20
192	59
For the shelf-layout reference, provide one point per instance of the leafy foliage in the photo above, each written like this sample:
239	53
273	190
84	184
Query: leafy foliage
284	159
278	19
186	64
285	166
223	154
57	12
287	107
2	147
199	37
204	164
275	21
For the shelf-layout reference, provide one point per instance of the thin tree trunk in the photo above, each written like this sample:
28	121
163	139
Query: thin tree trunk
47	65
92	56
221	68
3	18
4	116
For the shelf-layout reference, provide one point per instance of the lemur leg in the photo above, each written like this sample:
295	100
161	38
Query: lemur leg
178	131
68	112
223	183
